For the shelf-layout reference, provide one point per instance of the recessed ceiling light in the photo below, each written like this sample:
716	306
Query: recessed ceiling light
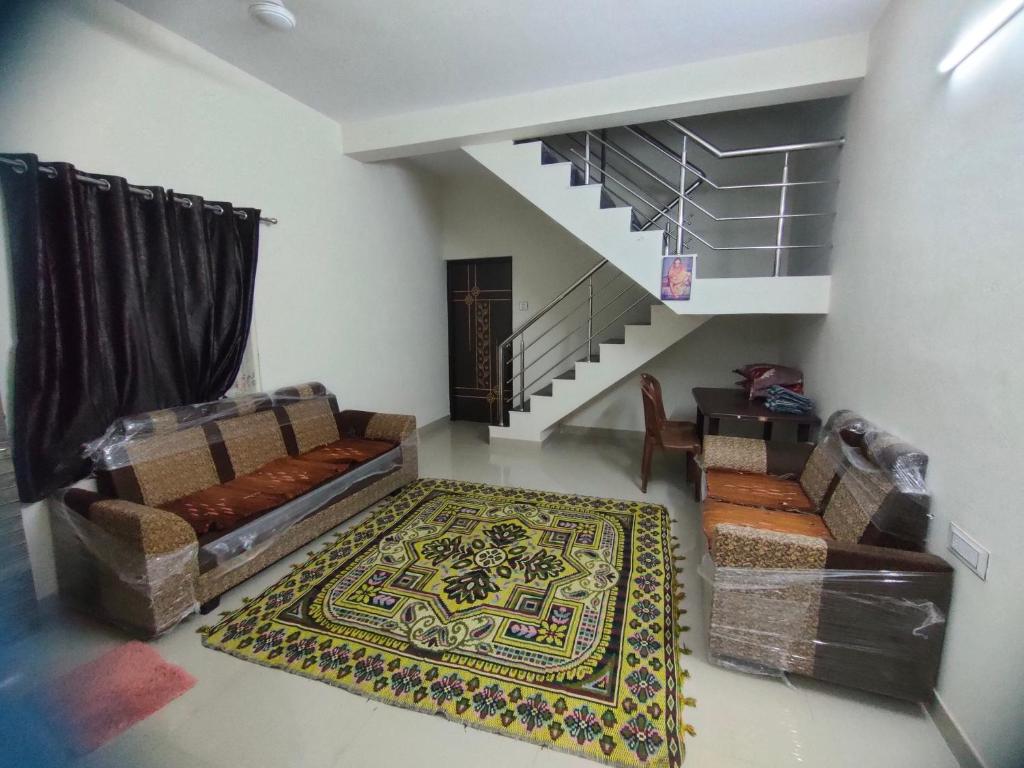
273	14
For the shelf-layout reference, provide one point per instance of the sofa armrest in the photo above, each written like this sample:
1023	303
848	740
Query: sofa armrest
861	557
376	426
740	546
745	454
152	531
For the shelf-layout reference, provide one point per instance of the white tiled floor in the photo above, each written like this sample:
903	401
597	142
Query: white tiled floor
242	714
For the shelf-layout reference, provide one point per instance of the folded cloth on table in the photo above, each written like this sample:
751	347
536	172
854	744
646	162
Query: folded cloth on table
782	400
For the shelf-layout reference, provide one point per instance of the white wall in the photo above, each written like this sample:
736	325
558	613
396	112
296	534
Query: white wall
483	217
704	358
924	330
350	285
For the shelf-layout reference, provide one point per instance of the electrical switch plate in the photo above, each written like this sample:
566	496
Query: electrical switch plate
968	550
523	306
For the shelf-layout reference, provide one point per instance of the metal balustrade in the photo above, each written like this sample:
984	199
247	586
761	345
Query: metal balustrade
659	199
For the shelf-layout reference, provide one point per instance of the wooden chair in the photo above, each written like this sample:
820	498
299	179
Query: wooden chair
677	436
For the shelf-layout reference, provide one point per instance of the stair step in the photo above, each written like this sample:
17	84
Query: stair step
524	408
545	391
567	376
614	341
591	359
547	157
606	199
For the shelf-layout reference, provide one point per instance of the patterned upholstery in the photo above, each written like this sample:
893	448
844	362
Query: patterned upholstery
814	595
169	466
313	423
718	512
349	450
221	508
752	490
288	478
739	454
252	441
739	546
171	480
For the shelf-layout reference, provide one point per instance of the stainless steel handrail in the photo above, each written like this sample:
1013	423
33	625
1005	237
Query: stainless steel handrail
518	332
589	339
618	166
590	319
690	232
752	151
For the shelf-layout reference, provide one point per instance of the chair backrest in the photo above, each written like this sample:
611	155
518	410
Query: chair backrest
654	407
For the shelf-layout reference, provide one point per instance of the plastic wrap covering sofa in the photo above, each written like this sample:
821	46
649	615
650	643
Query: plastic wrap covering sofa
813	562
193	500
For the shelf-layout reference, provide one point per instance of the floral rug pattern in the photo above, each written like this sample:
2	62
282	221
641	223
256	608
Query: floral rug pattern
548	617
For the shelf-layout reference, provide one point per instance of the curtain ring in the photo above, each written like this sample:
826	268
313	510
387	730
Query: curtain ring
148	194
242	215
217	209
104	185
184	201
49	171
19	165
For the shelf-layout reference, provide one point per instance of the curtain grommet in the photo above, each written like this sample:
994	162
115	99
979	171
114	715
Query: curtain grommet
19	165
104	185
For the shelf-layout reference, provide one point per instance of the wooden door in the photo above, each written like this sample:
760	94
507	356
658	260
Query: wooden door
479	318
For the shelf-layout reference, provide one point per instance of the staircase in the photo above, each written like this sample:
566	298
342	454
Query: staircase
633	198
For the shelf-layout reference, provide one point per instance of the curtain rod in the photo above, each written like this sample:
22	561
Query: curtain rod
20	166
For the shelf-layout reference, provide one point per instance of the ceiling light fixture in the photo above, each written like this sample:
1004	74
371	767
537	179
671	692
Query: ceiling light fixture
980	33
273	14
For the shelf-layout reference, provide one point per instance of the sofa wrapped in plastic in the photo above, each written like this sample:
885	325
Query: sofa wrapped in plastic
814	563
193	500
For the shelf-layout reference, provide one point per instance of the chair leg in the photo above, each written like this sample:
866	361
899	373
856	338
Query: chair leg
645	464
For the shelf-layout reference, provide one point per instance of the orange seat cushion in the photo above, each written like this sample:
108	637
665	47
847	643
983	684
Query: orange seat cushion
348	450
222	508
753	490
287	478
717	512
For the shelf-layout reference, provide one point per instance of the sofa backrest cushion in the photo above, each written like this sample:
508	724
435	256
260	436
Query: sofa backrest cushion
251	441
156	457
868	484
311	423
168	466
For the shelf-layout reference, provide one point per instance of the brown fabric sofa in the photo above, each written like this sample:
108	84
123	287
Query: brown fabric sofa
814	563
194	500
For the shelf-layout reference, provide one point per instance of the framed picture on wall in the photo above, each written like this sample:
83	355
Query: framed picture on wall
677	273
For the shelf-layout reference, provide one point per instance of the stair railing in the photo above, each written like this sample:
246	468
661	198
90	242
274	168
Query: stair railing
618	163
582	323
596	158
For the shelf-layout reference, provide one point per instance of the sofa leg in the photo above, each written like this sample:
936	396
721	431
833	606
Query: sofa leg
210	606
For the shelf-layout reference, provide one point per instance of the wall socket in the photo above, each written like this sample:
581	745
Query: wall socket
973	555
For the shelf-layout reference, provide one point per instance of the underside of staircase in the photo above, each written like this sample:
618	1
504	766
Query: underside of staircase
613	231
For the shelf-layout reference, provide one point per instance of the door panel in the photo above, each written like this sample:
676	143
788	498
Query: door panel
479	318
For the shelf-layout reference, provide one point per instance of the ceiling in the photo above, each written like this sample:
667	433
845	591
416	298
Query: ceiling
358	59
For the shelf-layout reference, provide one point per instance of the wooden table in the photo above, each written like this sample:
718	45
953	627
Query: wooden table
717	403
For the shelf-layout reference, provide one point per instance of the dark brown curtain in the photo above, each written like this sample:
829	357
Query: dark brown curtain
123	302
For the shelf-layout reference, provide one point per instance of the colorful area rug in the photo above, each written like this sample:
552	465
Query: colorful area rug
546	617
108	695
